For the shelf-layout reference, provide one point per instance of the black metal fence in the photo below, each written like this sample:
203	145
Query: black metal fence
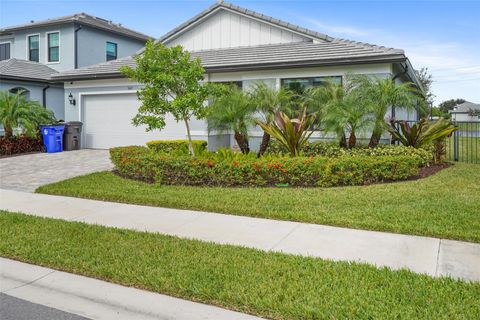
464	144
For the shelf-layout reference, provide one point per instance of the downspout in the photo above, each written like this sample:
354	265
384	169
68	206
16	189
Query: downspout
76	45
44	95
405	70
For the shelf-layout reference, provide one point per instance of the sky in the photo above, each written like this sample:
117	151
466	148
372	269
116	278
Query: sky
443	36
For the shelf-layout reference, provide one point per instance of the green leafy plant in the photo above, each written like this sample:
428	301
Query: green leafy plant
235	169
18	112
292	134
268	101
422	133
379	95
233	110
171	146
172	83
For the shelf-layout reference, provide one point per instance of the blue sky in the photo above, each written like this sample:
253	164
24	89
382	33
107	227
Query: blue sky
441	35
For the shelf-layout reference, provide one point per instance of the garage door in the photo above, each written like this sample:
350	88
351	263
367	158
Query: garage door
107	122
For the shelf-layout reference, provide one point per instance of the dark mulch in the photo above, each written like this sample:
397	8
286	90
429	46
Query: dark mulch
431	170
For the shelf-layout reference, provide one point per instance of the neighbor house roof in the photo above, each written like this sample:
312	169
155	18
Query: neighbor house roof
465	107
83	19
243	11
260	57
16	69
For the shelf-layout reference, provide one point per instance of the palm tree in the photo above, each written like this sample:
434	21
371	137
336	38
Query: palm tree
18	112
328	101
269	101
234	111
382	94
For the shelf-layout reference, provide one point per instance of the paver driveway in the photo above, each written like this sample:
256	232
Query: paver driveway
28	172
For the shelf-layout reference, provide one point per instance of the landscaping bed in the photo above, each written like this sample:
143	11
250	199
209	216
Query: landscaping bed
444	205
229	169
18	145
266	284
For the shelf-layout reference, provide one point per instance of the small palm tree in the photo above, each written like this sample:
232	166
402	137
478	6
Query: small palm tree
234	110
18	112
268	101
382	94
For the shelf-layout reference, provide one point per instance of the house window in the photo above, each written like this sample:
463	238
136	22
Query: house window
53	47
33	48
111	51
300	84
4	51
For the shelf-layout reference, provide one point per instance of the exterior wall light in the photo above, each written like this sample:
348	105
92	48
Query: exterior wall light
71	99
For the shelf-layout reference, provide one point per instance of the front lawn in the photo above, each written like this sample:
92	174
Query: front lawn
445	205
271	285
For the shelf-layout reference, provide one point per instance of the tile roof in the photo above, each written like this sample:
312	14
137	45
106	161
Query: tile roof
465	107
25	70
81	18
263	56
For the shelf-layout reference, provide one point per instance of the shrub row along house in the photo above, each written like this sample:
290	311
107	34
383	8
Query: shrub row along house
235	46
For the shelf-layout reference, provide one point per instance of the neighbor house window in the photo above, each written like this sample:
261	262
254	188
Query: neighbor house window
33	48
300	84
111	51
53	47
4	51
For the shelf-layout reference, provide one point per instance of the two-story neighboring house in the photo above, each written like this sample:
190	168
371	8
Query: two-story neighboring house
31	52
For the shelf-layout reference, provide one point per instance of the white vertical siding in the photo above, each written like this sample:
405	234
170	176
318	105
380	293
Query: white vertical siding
225	29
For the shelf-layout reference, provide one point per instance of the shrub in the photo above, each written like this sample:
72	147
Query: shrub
20	144
172	146
141	163
332	149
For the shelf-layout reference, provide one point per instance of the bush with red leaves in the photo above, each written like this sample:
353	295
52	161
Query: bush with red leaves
20	144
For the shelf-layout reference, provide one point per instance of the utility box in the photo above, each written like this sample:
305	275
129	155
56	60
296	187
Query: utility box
72	137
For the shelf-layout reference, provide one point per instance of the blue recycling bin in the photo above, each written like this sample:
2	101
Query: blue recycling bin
53	138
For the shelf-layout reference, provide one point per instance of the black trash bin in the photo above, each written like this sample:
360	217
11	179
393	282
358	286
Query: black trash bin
72	136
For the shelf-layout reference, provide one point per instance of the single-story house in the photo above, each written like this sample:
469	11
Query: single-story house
234	45
467	111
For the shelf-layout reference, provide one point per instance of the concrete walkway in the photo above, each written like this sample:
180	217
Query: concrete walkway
28	172
431	256
96	299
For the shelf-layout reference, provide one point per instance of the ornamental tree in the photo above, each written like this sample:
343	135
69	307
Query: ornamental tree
172	83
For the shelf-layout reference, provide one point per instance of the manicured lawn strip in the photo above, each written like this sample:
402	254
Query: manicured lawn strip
445	205
271	285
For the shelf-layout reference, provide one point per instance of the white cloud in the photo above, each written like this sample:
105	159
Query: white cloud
455	66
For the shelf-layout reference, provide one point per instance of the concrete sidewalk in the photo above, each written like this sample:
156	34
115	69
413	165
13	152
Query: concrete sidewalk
96	299
431	256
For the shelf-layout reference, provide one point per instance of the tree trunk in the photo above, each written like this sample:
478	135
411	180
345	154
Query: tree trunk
374	140
343	140
242	142
190	144
8	132
352	140
264	144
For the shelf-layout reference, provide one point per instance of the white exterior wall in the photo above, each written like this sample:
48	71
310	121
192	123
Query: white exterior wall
225	29
464	117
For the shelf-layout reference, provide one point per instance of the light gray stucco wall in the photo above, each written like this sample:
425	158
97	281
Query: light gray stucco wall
92	46
66	46
54	94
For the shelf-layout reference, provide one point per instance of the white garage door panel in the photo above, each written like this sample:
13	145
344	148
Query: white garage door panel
107	122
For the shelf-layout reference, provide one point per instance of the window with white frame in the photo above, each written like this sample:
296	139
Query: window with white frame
53	42
34	48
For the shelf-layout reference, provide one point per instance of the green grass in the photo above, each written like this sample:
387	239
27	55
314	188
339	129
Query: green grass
468	149
271	285
445	205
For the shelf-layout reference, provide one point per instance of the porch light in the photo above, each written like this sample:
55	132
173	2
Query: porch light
71	99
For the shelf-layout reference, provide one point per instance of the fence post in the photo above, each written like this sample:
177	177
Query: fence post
455	145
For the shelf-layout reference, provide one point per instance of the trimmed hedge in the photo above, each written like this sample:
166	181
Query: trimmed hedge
141	163
332	149
172	146
20	144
